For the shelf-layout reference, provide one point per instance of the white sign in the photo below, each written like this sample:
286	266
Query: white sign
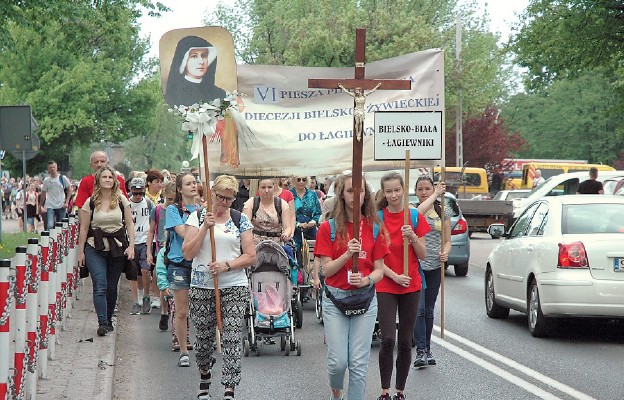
298	130
420	132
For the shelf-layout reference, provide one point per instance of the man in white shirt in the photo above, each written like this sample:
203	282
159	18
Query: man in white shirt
538	180
57	192
141	208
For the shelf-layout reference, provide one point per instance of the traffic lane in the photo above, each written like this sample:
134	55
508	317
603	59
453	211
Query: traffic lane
558	357
146	368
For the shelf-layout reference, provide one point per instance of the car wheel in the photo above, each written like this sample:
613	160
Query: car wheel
461	269
492	309
539	325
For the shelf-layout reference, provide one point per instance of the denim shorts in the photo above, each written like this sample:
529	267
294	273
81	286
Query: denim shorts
179	277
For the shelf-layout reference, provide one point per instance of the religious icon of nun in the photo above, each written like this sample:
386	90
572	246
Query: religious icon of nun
192	73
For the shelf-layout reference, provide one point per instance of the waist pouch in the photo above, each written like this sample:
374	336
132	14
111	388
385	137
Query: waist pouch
356	304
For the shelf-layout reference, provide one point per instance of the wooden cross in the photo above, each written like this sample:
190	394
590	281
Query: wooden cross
356	88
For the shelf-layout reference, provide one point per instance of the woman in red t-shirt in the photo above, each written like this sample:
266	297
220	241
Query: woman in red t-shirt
349	337
397	291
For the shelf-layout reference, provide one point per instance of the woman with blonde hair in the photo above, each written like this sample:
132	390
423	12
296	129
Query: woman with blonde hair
106	240
235	251
349	301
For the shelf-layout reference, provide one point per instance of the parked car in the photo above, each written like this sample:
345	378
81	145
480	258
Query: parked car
563	257
511	194
558	185
613	185
460	238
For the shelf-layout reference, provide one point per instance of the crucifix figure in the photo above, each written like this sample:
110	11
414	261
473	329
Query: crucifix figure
356	88
359	98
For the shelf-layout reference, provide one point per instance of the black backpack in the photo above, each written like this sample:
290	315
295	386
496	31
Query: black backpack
278	207
234	214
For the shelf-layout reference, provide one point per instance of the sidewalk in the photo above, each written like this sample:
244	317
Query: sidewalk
84	365
10	226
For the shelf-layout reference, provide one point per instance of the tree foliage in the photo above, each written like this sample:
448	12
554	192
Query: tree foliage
165	147
565	38
79	65
571	119
487	141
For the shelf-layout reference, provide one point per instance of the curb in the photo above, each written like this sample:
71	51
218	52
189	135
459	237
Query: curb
84	366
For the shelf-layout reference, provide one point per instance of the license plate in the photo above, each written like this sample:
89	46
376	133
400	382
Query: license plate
618	264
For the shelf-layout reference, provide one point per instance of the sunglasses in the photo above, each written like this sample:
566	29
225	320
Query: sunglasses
302	179
138	193
224	198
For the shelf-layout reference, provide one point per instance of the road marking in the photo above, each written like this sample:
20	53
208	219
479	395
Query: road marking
570	391
521	383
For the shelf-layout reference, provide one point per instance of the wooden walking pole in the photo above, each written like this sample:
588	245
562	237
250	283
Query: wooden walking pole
356	88
442	179
208	195
406	214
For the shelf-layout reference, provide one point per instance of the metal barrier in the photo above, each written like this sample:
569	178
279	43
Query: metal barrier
38	289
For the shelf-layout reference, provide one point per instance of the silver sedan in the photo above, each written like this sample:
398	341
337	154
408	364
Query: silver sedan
563	257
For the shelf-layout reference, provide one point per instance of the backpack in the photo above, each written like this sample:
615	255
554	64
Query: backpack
62	178
278	207
234	214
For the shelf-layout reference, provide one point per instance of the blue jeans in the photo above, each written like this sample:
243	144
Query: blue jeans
424	318
105	272
348	346
54	215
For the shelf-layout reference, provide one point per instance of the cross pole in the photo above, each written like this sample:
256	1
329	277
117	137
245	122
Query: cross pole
357	87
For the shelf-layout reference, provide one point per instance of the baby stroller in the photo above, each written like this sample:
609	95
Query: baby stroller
270	274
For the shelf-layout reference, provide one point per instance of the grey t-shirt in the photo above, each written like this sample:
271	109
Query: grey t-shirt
55	191
433	239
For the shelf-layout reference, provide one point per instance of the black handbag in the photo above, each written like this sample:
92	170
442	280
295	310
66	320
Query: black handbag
353	305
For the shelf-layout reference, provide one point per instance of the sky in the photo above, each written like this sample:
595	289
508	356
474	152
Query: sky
190	13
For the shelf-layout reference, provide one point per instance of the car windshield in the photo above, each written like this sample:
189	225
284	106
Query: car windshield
592	218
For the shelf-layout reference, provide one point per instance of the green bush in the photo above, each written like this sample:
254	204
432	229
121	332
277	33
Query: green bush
11	240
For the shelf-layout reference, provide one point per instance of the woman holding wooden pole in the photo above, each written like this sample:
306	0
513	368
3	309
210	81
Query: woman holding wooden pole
436	256
232	232
399	290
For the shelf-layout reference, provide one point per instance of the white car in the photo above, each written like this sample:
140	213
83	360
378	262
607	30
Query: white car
508	195
563	257
558	185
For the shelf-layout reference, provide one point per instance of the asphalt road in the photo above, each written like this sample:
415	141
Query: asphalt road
479	358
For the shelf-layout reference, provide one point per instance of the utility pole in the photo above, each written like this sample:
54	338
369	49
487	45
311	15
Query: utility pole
459	145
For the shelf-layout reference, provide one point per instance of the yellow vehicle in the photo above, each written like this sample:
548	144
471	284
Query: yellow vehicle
465	182
551	169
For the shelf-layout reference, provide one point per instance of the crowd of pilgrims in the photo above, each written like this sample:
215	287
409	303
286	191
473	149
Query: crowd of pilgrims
153	226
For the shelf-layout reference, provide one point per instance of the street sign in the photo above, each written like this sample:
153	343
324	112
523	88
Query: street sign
16	132
420	132
2	153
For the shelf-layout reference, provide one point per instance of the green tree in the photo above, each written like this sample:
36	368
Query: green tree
78	64
557	39
165	147
571	119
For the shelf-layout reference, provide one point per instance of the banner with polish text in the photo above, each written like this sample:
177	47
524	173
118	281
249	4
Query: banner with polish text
300	131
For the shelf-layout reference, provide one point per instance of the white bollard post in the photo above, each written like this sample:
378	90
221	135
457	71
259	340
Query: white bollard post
42	296
33	334
52	281
21	285
7	284
65	273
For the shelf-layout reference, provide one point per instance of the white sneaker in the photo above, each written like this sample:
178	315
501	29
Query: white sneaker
155	302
